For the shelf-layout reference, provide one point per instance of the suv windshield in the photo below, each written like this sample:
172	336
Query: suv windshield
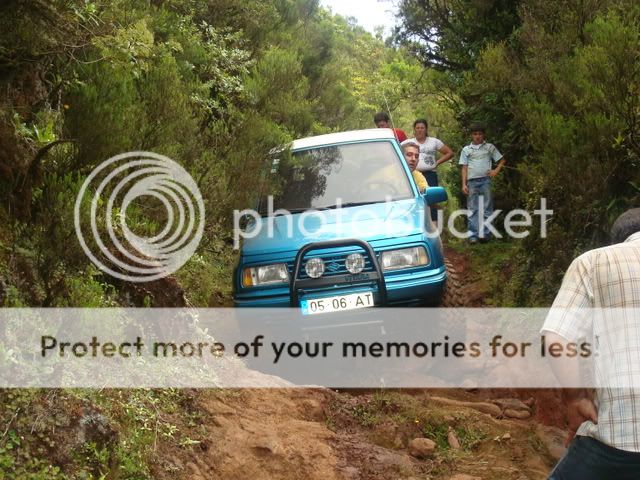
342	174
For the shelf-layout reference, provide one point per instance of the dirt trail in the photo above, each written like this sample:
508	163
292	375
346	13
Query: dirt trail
262	434
551	410
324	434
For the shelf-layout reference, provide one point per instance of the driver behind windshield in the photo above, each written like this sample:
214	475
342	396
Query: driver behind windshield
411	152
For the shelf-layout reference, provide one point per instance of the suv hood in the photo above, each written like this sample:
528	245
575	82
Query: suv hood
367	222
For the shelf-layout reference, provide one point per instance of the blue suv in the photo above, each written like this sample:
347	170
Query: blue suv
340	226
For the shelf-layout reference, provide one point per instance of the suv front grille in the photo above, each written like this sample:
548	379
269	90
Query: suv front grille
334	264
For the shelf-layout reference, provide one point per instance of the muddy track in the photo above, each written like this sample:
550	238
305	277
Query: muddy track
324	434
550	408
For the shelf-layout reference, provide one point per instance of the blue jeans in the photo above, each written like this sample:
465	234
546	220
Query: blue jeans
432	180
589	459
479	188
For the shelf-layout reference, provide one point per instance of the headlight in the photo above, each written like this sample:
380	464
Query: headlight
265	275
314	267
405	258
354	263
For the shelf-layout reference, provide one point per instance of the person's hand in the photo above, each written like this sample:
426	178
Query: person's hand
578	412
493	173
465	189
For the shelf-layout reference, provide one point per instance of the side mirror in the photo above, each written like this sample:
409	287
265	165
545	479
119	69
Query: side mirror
246	222
433	195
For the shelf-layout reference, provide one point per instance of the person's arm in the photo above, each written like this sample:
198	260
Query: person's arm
446	152
496	171
464	161
570	318
496	156
580	408
465	188
579	401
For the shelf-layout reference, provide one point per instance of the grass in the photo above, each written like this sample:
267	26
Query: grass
412	419
437	432
470	438
490	264
207	277
366	415
42	432
23	443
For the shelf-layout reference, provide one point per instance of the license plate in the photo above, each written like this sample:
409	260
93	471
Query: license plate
337	303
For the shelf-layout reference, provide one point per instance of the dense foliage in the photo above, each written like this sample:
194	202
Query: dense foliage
558	85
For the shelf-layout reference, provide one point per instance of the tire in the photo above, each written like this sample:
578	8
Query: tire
453	293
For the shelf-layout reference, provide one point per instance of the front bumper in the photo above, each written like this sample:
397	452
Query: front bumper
413	287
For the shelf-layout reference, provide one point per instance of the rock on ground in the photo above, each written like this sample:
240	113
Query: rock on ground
422	447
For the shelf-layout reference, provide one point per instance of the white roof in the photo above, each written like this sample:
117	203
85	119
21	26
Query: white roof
342	137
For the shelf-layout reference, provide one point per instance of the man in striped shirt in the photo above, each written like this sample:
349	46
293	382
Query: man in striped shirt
604	430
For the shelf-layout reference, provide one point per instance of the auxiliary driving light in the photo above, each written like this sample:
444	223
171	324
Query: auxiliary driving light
314	267
354	263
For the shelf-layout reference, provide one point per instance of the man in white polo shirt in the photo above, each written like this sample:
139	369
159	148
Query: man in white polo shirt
477	160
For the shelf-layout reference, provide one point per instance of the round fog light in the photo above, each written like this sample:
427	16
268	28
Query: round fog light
314	267
354	263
